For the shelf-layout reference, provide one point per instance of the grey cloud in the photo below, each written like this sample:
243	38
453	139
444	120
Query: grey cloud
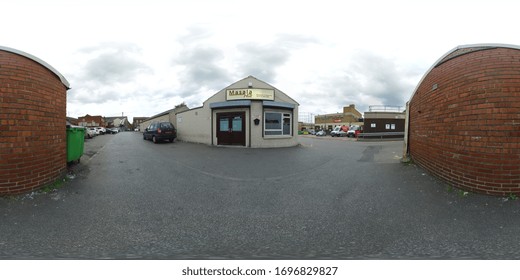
263	60
201	69
201	63
112	68
368	79
204	66
89	95
382	79
114	65
106	67
372	77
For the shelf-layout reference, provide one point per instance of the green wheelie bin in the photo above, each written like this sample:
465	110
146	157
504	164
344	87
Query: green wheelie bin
75	142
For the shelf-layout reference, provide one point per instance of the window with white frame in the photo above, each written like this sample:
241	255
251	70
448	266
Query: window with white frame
277	123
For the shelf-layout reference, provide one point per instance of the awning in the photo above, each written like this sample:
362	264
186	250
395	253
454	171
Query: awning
278	104
227	104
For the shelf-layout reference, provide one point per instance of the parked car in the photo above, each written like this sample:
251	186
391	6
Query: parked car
321	133
352	130
160	131
94	131
339	131
101	130
89	133
113	130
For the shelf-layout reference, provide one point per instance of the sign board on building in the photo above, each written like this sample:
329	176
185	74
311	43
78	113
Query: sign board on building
250	93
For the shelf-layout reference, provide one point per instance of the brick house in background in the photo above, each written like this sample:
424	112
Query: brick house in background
350	116
91	121
72	121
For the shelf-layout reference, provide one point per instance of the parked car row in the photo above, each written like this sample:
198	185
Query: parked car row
342	131
91	132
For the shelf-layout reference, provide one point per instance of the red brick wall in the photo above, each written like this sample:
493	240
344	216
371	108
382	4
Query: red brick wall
467	130
32	125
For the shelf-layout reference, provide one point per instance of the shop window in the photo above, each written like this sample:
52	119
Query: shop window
277	123
237	124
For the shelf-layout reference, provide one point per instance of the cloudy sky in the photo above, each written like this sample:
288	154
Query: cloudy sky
142	57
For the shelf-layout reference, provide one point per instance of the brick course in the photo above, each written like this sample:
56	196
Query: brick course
32	124
464	121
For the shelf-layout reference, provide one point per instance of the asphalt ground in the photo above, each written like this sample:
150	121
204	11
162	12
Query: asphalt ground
329	198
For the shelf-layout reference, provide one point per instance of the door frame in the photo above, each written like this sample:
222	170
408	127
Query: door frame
242	136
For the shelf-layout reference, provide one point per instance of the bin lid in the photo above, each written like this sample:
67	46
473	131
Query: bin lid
75	127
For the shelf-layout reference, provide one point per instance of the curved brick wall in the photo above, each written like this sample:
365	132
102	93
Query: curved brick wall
464	123
32	124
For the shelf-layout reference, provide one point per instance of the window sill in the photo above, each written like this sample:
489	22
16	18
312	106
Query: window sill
277	137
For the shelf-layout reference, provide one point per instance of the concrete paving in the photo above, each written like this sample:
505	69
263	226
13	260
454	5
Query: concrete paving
326	199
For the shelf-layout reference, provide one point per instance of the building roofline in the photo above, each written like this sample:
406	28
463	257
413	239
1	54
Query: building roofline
160	114
250	77
41	62
460	47
190	109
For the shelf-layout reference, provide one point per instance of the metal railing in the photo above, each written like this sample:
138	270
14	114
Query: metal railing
380	135
386	108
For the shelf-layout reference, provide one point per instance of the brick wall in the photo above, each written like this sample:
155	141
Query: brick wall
465	121
32	125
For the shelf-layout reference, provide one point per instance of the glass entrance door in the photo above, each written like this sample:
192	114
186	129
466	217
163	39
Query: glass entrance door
231	128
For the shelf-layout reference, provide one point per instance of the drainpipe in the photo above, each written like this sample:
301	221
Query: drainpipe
406	156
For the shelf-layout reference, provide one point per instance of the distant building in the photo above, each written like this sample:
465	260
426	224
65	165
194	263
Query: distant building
350	116
166	116
91	121
248	113
384	122
119	122
305	128
137	123
72	121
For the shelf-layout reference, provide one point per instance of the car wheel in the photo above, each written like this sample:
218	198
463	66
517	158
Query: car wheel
144	137
172	139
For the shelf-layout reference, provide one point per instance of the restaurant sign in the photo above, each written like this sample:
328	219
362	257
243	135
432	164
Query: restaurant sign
250	93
